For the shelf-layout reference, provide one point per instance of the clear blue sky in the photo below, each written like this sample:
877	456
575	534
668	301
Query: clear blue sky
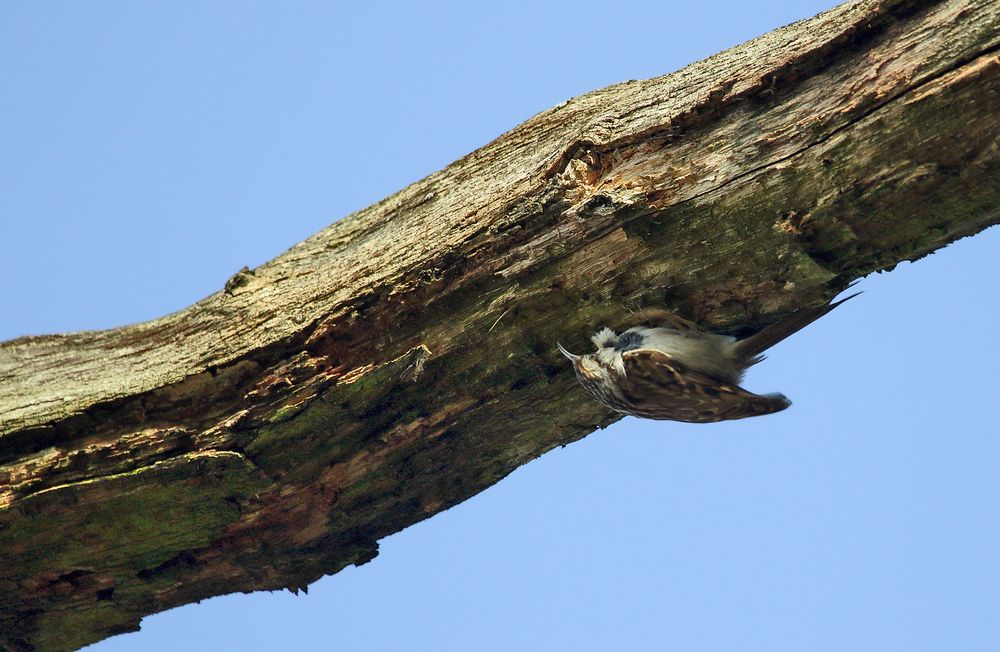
150	150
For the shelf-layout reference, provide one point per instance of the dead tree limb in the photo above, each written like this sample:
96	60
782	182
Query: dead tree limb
403	359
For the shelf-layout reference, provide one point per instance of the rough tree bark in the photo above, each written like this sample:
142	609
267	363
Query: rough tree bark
403	359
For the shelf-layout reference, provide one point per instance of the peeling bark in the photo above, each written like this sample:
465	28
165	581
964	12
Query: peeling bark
402	360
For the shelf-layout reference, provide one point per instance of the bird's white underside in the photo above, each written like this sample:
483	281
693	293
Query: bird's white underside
705	352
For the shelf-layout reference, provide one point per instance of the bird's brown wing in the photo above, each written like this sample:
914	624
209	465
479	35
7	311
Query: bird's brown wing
657	386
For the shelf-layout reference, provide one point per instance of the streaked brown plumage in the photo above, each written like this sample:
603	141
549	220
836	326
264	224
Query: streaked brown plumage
681	373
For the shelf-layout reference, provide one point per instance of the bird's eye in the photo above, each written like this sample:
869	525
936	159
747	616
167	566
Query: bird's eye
628	341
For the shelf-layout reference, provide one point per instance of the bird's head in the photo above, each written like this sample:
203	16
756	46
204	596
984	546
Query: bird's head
600	365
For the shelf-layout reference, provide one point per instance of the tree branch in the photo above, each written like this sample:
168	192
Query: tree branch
403	359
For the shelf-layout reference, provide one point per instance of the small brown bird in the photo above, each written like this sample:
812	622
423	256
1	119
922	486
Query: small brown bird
681	373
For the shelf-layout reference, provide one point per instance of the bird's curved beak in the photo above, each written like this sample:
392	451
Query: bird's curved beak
566	353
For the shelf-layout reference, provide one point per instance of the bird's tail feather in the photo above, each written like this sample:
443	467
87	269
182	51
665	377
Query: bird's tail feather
749	349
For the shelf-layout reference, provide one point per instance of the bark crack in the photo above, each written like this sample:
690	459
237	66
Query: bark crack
902	95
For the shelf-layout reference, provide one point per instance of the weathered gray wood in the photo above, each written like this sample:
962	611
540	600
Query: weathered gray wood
402	359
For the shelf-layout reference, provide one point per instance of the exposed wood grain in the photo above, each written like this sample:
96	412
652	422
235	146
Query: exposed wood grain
403	359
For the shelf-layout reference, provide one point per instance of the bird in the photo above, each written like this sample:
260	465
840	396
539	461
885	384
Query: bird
681	373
